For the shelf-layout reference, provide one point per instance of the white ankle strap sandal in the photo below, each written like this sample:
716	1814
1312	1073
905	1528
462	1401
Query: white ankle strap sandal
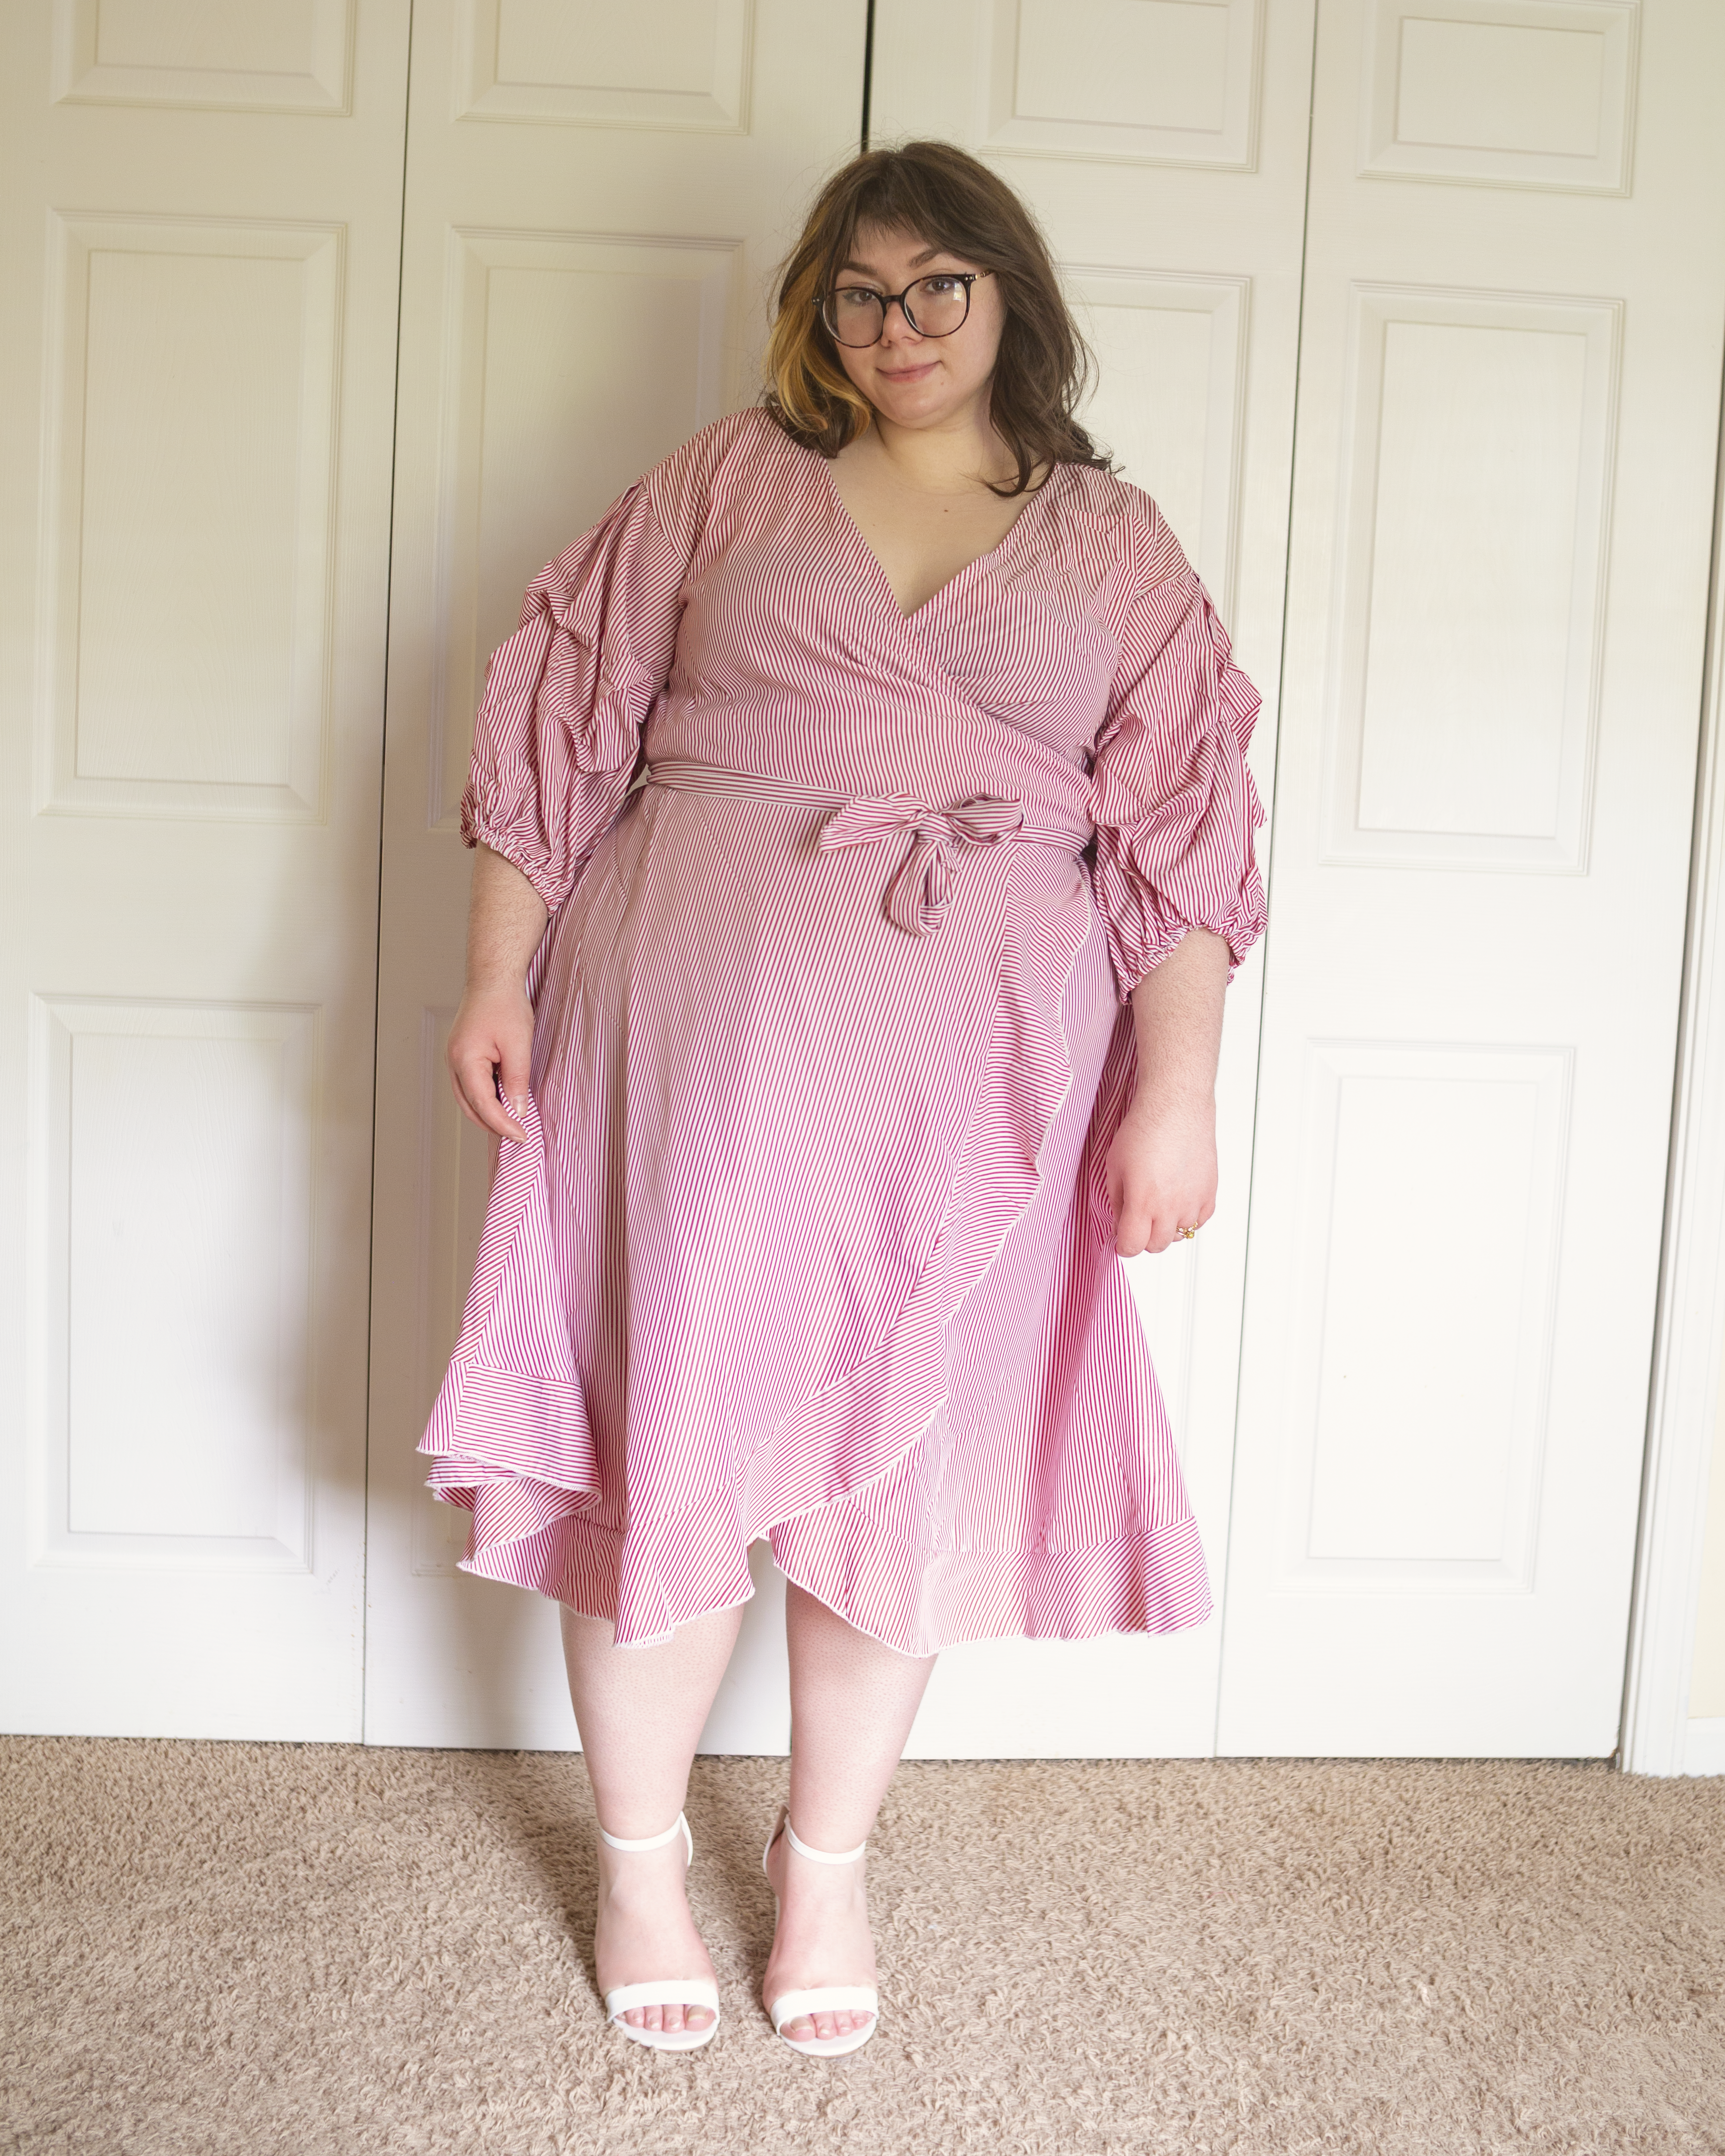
829	1998
665	1991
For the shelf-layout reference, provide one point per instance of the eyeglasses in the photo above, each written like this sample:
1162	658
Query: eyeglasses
857	314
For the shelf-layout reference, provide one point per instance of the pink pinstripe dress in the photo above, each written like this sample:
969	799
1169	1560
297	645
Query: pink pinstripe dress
809	1239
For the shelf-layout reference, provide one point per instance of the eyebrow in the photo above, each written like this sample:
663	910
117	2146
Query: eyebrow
867	270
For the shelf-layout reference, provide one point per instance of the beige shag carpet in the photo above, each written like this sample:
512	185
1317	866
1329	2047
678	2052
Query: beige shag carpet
248	1948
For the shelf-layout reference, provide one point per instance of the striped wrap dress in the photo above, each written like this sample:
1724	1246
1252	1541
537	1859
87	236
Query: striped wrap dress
809	1239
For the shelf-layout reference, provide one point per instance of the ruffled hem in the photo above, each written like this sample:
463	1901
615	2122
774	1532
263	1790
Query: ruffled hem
528	1534
1154	1581
532	1534
535	1430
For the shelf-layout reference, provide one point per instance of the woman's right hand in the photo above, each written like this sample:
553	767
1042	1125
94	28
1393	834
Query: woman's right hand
492	1046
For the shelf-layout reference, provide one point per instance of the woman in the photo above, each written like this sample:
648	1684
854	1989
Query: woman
836	1059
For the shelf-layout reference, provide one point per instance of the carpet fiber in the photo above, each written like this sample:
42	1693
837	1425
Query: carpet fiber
310	1948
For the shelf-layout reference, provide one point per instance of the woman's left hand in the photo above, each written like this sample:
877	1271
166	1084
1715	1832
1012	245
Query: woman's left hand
1162	1172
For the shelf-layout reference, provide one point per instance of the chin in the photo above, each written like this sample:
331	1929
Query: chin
917	400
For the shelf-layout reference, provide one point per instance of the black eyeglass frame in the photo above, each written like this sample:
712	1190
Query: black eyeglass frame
966	278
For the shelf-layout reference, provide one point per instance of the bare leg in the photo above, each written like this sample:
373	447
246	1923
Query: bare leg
640	1710
852	1704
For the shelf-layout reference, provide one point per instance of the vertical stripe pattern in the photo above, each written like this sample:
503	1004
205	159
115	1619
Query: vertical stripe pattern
809	1237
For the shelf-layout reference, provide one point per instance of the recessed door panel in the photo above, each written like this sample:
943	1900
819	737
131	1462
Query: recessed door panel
1501	93
189	420
269	56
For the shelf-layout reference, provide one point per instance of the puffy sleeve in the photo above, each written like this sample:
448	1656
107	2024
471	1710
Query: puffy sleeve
557	733
1172	799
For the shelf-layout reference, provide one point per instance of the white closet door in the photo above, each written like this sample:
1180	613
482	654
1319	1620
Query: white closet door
1163	148
1509	399
596	199
201	237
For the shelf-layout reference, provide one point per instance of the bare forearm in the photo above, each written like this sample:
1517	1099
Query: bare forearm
1162	1166
492	1041
506	922
1177	1021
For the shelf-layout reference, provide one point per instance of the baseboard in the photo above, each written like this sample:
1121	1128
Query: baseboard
1704	1748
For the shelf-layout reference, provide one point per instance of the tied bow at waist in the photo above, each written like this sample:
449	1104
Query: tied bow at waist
922	886
921	890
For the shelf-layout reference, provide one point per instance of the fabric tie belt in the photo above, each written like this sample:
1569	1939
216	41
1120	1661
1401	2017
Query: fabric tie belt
920	890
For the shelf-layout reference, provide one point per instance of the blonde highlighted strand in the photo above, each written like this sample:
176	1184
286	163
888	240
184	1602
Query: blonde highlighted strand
808	392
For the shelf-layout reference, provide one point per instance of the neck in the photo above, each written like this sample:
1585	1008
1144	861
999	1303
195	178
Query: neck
955	454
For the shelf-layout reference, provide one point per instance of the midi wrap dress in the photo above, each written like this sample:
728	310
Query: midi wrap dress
810	1238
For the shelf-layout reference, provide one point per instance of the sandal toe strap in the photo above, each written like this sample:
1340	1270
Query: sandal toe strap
834	1999
666	1991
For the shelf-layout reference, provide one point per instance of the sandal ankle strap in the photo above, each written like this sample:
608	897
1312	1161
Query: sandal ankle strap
821	1856
678	1825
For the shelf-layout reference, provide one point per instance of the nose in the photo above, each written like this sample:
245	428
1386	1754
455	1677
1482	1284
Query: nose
893	333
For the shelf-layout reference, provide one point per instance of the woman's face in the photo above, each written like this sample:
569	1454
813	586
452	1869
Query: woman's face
919	381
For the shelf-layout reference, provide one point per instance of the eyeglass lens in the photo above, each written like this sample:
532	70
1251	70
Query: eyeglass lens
934	306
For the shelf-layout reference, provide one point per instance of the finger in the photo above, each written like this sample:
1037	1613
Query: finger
473	1094
1159	1226
505	1116
460	1089
509	1113
476	1088
1183	1225
514	1067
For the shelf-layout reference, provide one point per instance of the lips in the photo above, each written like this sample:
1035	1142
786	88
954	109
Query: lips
907	373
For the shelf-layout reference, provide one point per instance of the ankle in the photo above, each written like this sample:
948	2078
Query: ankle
818	1890
654	1865
643	1842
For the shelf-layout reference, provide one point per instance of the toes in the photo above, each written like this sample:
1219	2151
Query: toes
669	2020
840	2021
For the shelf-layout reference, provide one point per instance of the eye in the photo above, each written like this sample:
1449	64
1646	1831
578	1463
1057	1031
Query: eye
855	296
943	286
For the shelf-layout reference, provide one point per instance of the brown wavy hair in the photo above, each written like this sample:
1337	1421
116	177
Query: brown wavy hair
949	199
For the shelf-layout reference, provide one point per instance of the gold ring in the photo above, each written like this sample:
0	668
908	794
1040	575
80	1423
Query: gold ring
1187	1233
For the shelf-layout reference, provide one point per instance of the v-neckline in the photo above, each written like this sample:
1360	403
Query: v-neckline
958	575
